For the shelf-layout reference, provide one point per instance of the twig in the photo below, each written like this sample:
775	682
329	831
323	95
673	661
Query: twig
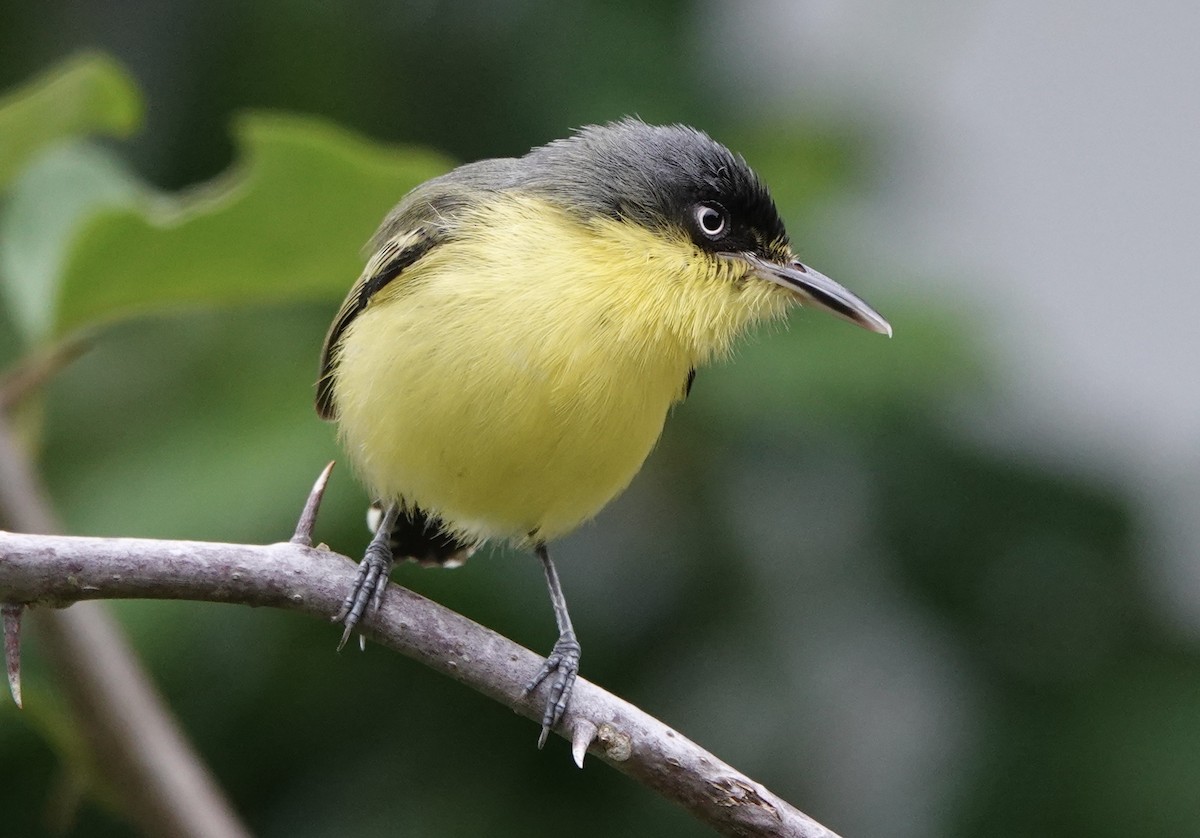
55	570
166	789
129	732
23	501
36	369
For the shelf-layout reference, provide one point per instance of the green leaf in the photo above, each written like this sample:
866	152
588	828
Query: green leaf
287	223
46	206
89	94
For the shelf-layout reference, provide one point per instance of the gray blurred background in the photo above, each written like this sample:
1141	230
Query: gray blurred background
945	585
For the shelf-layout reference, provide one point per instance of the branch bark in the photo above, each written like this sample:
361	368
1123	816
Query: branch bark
59	570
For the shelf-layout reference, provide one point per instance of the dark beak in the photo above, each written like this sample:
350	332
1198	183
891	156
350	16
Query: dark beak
819	291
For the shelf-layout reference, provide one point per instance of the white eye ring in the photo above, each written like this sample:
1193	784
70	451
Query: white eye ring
710	218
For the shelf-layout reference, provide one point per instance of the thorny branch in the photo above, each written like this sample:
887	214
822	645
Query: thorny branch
58	570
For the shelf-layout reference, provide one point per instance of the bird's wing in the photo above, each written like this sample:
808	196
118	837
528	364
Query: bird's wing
395	255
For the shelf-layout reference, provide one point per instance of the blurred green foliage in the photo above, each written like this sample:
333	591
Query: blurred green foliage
89	95
289	216
820	576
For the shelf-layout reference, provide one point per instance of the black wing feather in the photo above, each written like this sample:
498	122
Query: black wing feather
397	255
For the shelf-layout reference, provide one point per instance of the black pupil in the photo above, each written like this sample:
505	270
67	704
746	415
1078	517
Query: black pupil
710	220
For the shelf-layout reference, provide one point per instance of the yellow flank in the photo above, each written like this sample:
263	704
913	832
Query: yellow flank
514	380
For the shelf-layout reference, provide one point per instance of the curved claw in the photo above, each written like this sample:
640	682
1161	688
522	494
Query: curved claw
563	662
366	595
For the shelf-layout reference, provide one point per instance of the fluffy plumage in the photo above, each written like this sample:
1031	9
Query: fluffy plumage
507	360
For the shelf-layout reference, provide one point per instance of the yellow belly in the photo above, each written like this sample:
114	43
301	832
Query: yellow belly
514	397
496	438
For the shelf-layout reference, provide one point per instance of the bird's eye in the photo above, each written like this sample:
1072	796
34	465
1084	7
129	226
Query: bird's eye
711	219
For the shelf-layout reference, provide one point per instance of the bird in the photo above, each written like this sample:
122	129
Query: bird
505	362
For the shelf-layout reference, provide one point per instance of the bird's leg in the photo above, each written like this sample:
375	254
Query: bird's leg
564	657
372	579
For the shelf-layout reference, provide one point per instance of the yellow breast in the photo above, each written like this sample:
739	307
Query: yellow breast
515	379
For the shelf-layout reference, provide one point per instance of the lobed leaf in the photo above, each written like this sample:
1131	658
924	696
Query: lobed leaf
89	94
286	223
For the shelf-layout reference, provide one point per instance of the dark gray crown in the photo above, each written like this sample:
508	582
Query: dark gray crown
655	175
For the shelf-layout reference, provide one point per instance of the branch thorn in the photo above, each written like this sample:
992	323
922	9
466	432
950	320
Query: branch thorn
582	735
308	516
12	648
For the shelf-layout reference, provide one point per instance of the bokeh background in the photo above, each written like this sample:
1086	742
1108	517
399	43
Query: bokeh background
945	585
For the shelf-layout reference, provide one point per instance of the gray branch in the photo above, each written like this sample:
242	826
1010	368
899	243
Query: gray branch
59	570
